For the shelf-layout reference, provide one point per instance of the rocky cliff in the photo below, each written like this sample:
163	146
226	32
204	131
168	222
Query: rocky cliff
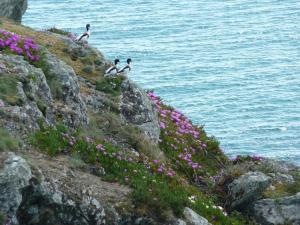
13	9
79	148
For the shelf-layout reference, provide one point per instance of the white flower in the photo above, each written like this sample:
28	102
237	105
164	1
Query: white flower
192	199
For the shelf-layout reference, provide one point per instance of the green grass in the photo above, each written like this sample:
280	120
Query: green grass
8	89
7	142
110	85
50	139
152	193
2	218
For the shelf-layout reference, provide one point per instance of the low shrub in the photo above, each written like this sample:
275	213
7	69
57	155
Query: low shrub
110	85
7	142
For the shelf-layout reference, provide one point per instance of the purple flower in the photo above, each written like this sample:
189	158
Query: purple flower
1	103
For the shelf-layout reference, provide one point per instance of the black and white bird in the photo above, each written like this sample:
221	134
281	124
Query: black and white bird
113	70
127	67
85	36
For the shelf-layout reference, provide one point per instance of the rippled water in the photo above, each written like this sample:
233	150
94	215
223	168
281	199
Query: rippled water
233	66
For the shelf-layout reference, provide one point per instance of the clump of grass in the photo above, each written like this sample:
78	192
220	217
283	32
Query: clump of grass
2	217
8	89
110	85
88	69
58	31
7	142
50	140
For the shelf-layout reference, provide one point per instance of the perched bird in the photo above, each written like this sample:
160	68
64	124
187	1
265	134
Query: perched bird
113	70
128	66
85	36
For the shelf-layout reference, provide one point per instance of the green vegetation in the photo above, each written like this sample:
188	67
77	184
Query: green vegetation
153	192
50	140
2	218
58	31
8	89
110	124
7	142
110	85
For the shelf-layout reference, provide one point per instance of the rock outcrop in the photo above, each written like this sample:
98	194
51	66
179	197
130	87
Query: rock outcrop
137	109
192	218
13	9
15	174
247	189
278	211
42	194
29	95
51	97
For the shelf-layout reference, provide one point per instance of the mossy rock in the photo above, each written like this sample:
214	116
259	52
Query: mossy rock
9	91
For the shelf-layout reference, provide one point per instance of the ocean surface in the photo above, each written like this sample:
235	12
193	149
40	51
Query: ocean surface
230	65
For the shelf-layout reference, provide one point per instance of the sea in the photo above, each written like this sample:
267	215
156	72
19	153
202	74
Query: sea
232	66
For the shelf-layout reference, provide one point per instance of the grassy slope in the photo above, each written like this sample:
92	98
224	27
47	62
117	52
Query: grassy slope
152	190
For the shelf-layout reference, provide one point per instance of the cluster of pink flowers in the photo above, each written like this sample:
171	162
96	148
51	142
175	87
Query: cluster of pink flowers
19	45
161	168
253	158
188	158
182	127
70	139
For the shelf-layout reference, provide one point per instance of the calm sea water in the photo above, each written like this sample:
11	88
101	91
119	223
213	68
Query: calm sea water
233	66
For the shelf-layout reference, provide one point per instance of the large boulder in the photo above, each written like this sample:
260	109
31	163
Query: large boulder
15	174
278	211
192	218
13	9
246	189
137	109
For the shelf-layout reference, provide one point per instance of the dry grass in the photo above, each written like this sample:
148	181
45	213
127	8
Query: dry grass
54	44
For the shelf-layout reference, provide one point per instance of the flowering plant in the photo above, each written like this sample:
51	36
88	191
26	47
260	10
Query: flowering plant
19	45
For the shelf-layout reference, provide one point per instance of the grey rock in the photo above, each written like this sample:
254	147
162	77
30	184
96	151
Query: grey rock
13	9
15	174
284	178
247	189
179	222
137	109
278	211
192	218
45	204
35	99
63	83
